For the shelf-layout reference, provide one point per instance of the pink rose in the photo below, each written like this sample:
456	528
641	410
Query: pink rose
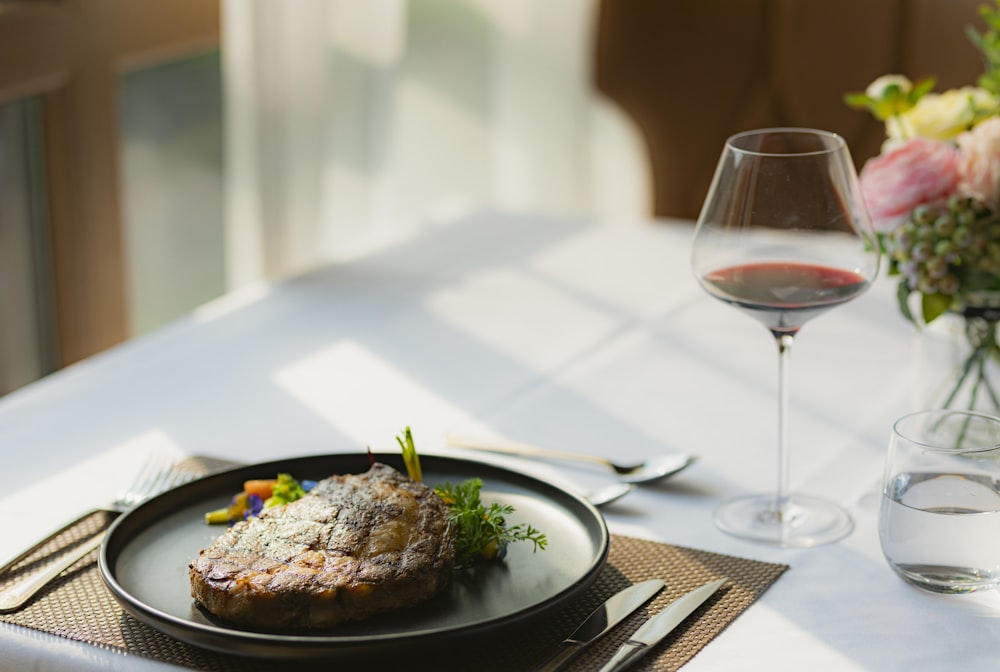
979	162
916	172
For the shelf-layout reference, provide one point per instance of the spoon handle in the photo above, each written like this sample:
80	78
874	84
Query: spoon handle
516	448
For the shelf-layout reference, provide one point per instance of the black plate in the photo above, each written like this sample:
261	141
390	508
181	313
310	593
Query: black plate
144	562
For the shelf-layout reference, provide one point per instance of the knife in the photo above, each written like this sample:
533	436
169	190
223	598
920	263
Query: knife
659	626
601	620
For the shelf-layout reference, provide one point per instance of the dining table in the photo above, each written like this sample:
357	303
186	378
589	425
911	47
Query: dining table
571	332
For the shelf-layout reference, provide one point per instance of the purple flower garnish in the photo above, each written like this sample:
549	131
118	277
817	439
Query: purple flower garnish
254	506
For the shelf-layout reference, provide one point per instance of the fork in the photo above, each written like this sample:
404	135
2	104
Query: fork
155	477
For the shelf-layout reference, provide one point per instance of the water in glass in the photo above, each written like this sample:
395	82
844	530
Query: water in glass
939	523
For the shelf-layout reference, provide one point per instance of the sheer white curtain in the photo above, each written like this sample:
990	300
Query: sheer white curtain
353	122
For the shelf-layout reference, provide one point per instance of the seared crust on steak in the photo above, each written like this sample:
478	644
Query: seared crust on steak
354	546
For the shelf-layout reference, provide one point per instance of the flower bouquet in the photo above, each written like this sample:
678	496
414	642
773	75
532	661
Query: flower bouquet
934	197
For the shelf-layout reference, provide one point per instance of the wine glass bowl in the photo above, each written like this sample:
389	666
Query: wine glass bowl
784	236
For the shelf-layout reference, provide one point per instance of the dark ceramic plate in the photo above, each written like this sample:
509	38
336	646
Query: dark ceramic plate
144	562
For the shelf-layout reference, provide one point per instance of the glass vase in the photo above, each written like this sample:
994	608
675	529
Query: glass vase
960	359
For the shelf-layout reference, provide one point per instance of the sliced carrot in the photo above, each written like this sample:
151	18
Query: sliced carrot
260	487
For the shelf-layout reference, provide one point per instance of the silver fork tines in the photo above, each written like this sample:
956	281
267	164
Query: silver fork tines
157	475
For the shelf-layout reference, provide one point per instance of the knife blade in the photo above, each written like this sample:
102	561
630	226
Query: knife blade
614	610
659	626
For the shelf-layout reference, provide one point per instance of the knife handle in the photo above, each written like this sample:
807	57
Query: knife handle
569	650
627	653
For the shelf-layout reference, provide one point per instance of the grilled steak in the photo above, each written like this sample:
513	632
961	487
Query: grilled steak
354	546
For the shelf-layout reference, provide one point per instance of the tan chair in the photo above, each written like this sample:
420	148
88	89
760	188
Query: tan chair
693	72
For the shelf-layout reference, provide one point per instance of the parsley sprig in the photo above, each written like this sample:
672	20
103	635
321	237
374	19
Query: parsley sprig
482	530
483	533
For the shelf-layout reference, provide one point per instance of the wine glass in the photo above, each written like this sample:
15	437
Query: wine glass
784	236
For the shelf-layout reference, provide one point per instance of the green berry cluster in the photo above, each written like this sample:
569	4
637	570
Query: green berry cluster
947	250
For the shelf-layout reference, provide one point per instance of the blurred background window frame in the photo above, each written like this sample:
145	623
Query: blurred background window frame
61	67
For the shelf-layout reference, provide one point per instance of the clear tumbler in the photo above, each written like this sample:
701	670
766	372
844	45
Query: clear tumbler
939	523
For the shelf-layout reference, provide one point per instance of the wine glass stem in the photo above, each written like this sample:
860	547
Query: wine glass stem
784	341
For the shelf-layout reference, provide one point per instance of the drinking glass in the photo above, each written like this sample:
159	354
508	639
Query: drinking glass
939	523
784	236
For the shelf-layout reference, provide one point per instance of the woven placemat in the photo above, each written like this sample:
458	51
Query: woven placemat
79	607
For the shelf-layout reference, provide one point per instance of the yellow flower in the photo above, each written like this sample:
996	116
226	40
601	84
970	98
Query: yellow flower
943	116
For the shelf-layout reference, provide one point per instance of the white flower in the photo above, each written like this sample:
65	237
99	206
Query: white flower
877	89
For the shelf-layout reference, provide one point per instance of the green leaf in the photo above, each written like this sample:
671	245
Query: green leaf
975	281
934	305
859	101
922	88
903	298
988	44
883	243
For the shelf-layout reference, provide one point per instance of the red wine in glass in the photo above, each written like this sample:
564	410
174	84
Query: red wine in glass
784	236
784	295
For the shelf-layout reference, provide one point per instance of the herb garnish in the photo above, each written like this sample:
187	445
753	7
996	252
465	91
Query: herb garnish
482	531
410	457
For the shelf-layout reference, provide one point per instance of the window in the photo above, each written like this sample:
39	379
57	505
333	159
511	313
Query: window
72	78
27	318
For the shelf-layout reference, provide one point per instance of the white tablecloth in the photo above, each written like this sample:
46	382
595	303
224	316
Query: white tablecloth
558	331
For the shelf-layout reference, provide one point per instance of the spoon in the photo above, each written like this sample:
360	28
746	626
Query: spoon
609	493
656	467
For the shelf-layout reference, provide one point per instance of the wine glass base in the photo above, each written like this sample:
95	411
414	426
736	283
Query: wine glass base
801	522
